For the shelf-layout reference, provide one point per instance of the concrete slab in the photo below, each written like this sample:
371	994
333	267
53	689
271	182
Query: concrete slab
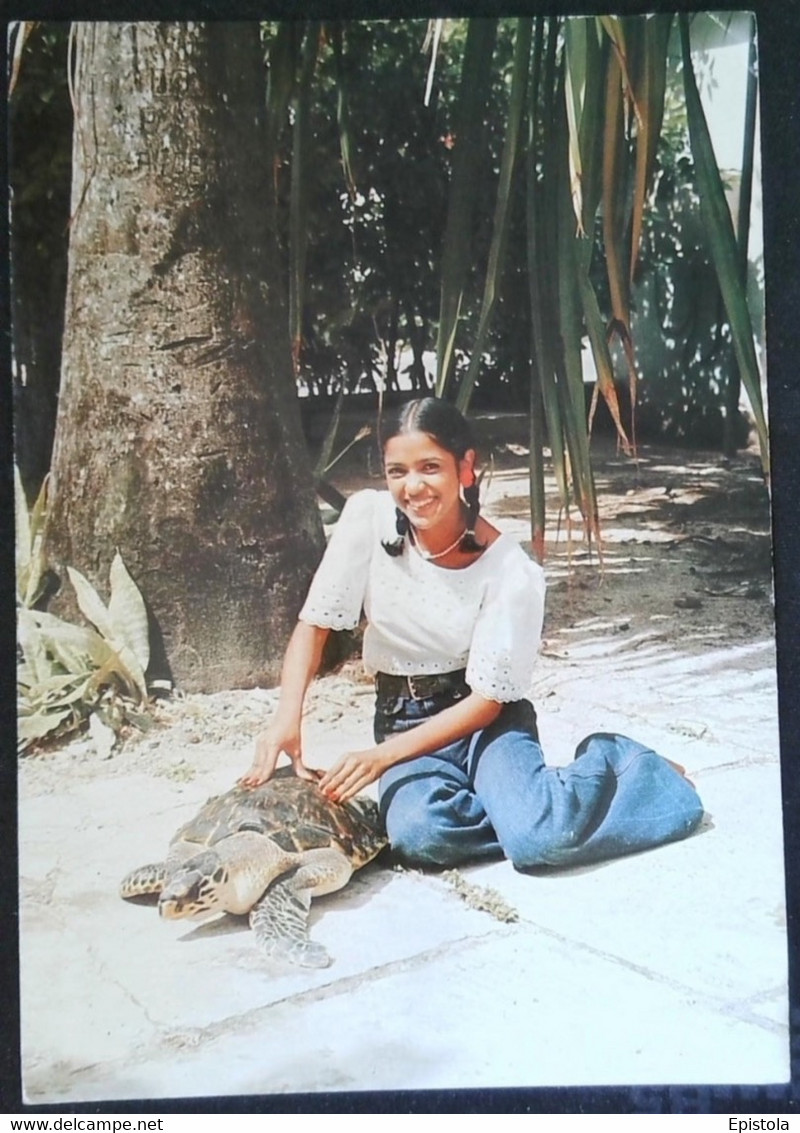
670	910
519	1008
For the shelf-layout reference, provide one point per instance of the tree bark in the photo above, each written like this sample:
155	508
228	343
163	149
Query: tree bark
178	436
39	134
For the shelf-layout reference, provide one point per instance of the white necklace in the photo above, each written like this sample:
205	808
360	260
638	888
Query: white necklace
429	556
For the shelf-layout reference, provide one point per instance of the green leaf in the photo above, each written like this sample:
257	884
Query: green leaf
39	666
90	603
591	123
598	339
457	246
128	613
614	191
298	192
575	51
23	537
614	225
650	91
722	243
571	391
122	659
61	688
37	560
58	634
541	363
19	30
511	144
342	107
543	259
39	724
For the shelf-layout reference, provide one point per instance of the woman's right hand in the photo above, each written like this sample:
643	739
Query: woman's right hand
269	744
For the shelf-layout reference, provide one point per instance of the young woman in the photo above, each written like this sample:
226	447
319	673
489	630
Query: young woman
454	616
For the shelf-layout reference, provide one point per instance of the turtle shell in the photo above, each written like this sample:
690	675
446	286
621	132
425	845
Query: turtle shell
295	814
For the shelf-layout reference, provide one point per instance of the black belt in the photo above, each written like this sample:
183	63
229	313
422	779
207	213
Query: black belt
421	687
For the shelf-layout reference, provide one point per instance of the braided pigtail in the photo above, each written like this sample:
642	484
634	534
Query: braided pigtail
472	499
402	527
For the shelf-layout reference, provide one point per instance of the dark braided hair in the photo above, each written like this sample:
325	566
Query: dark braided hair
402	526
447	426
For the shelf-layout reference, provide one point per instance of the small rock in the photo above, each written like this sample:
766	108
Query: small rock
103	737
688	728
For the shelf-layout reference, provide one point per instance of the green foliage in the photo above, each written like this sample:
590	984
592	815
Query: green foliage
507	228
596	115
511	148
29	533
464	181
375	163
722	242
67	673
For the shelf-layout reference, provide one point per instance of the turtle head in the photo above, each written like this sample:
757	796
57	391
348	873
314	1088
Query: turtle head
196	889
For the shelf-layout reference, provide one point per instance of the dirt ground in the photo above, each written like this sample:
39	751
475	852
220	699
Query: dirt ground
669	637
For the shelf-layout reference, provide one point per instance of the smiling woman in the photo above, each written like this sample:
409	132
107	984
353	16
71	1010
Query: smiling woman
454	615
427	479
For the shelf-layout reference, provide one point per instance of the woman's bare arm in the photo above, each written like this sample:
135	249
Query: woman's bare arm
301	663
356	770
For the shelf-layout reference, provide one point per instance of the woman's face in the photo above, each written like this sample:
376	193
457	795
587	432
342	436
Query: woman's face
424	479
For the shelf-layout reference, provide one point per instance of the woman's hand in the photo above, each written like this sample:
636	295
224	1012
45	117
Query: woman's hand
352	773
270	743
300	664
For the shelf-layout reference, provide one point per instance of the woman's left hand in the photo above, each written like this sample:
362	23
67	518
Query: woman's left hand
352	774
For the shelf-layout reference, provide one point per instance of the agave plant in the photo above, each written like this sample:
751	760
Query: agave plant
69	673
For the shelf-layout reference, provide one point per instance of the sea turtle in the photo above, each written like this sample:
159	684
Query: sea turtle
265	851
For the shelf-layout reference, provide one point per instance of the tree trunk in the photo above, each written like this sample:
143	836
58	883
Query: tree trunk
178	437
39	133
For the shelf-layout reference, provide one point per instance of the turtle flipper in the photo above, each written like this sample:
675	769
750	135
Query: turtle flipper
143	881
280	919
280	924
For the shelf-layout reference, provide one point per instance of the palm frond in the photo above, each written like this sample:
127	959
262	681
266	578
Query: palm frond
722	242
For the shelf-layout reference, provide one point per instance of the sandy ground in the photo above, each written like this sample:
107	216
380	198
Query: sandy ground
665	967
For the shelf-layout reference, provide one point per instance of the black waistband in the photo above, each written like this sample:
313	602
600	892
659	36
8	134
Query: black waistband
421	687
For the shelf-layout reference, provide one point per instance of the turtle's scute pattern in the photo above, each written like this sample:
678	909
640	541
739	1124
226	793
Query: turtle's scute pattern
294	814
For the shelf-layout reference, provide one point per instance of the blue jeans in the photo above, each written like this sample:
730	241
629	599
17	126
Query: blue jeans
491	794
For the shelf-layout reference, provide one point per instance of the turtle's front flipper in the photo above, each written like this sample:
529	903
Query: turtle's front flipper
147	879
280	924
280	919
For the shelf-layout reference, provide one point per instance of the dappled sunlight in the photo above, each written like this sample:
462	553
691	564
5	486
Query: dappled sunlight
566	571
746	666
683	566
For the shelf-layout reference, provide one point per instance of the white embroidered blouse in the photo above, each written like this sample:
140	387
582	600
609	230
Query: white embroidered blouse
423	618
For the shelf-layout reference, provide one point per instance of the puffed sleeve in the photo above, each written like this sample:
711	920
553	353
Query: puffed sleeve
337	590
505	640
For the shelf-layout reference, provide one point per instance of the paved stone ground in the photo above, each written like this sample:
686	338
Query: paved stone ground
664	967
668	966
